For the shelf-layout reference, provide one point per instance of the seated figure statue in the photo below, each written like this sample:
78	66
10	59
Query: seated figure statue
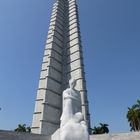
73	125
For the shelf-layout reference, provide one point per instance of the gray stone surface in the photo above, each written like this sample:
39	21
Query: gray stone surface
10	135
119	136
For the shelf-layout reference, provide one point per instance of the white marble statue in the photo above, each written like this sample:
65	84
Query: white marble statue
71	103
73	125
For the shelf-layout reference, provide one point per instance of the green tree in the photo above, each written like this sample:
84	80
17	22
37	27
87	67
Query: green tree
96	130
102	129
133	116
23	128
28	129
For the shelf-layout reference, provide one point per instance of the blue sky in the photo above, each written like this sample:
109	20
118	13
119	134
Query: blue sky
111	39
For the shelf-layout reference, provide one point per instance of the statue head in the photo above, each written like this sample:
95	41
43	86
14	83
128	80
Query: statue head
72	83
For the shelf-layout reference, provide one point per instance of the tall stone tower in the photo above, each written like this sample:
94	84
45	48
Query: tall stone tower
62	60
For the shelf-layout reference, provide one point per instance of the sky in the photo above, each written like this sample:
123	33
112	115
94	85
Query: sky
110	31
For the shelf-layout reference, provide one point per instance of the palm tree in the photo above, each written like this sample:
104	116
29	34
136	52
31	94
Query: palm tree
96	130
137	108
137	105
102	129
21	128
28	129
133	116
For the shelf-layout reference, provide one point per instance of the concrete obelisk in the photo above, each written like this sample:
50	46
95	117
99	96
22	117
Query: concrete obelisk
63	59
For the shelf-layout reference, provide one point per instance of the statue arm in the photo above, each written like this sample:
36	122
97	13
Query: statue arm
71	97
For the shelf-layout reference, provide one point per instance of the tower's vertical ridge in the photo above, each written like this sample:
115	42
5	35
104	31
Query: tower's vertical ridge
48	103
62	60
75	56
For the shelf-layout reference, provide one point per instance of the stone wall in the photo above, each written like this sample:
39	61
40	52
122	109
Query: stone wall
120	136
10	135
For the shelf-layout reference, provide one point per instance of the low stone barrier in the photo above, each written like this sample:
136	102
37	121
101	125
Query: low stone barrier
11	135
119	136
